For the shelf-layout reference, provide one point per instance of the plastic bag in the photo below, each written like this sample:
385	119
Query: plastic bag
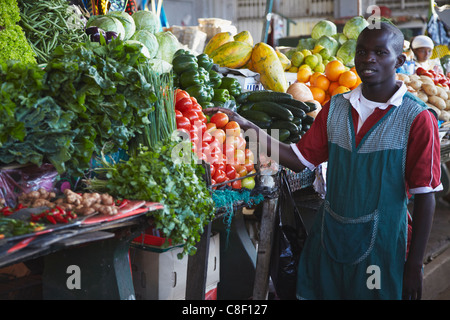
289	238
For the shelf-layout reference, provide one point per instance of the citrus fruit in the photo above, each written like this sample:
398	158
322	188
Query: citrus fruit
317	48
304	74
325	53
358	81
314	76
306	52
319	68
311	60
293	69
318	94
340	89
321	82
347	79
297	58
333	85
334	69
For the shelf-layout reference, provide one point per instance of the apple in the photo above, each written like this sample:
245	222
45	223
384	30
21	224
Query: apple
248	182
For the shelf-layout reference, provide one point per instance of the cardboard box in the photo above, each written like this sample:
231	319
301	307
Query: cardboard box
249	80
291	77
162	276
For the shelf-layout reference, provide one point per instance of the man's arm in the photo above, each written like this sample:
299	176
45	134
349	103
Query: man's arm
422	218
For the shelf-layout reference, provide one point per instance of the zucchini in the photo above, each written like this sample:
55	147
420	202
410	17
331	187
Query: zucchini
298	104
283	124
308	120
245	107
283	134
306	127
294	138
274	110
253	115
312	106
266	95
297	112
297	121
242	98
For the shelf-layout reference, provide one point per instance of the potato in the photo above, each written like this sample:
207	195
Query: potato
441	93
415	84
430	89
447	104
426	79
437	102
438	111
413	77
403	77
445	116
422	96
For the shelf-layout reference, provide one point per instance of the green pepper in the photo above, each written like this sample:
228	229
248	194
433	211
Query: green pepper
190	78
209	104
183	63
232	85
200	92
221	95
205	61
181	52
203	75
215	79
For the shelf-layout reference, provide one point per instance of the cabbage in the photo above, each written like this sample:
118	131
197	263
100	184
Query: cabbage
308	44
346	53
146	20
140	45
354	26
160	66
168	45
126	20
340	38
107	23
323	28
148	39
328	42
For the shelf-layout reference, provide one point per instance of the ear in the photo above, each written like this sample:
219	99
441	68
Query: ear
400	60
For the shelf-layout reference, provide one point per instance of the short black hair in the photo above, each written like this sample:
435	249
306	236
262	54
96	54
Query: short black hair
397	36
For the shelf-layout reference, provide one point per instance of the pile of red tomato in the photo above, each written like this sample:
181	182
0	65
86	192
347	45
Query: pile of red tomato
437	77
217	140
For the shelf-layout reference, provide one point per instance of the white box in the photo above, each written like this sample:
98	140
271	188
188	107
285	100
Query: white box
162	276
291	77
249	80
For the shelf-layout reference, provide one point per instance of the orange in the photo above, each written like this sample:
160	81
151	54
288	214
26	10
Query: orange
353	69
358	81
334	69
318	94
321	81
340	89
333	85
348	79
303	75
314	76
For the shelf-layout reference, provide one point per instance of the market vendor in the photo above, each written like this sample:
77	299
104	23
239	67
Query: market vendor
380	141
422	47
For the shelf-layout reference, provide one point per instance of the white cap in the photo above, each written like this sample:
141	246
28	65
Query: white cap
422	42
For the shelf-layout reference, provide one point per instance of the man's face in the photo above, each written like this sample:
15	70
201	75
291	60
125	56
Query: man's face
375	58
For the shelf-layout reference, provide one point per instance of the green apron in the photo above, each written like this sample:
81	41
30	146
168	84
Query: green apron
357	245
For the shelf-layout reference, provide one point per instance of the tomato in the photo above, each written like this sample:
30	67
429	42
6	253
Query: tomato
236	184
194	138
220	135
249	165
201	156
248	182
207	137
230	172
210	127
180	94
219	176
213	182
202	117
221	166
183	123
197	108
184	105
232	128
242	171
202	126
228	151
213	169
239	156
191	115
178	114
205	148
249	155
214	143
215	151
238	142
220	119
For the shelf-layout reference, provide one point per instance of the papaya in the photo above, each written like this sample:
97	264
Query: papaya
285	62
265	61
244	36
233	54
216	41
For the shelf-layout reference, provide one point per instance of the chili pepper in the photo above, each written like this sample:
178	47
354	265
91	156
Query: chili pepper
232	85
7	211
215	79
205	61
221	95
50	218
200	92
20	206
183	63
190	78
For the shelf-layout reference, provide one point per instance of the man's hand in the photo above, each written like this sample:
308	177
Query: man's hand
412	283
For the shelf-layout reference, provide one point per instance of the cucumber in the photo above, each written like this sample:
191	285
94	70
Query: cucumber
297	121
265	95
283	134
245	107
312	106
253	115
297	112
274	110
308	120
283	124
306	127
294	138
298	104
242	98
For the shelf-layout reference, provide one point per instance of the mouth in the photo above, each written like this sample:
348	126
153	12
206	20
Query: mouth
367	72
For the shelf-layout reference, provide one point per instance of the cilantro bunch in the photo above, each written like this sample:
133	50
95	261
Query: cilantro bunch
168	174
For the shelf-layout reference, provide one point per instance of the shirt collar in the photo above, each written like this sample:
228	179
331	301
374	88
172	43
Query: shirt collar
354	96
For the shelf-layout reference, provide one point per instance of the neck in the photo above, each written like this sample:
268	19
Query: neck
379	92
